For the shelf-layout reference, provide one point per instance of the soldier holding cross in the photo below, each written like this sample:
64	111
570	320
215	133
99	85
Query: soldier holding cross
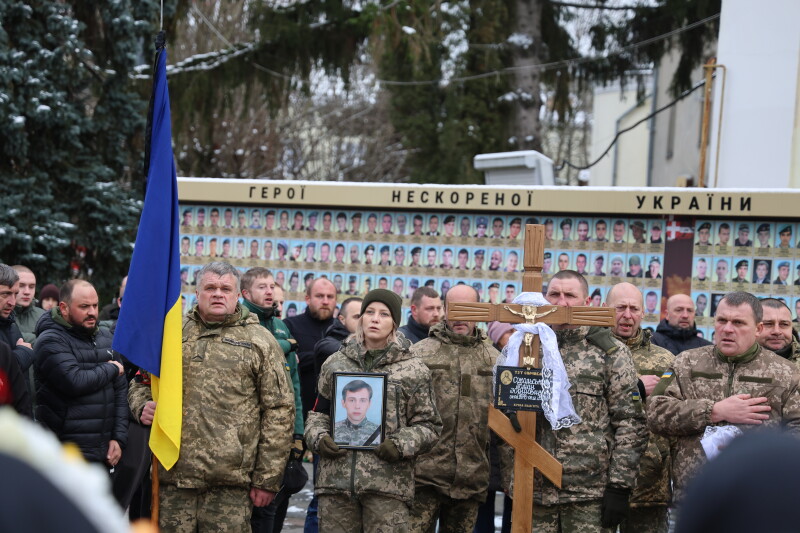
600	455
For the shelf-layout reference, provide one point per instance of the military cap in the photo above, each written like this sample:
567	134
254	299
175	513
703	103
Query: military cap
516	220
311	244
744	227
282	244
413	283
657	226
352	279
634	260
399	249
200	239
742	263
369	247
616	258
480	251
201	210
596	292
548	255
548	221
784	264
655	259
762	227
385	248
530	220
482	221
566	222
704	225
226	241
416	250
449	218
786	229
494	285
637	224
314	214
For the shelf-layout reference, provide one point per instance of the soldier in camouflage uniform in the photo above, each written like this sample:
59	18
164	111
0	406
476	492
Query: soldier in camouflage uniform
356	429
600	456
452	480
778	334
651	496
238	413
735	381
364	489
258	286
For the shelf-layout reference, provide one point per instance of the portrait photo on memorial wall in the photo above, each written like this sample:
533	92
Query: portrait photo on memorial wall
701	301
431	257
581	263
566	226
498	230
433	228
598	267
635	267
716	298
654	265
744	235
638	232
401	226
582	230
619	231
617	265
199	247
652	301
417	225
762	268
310	253
703	233
722	269
600	230
656	232
781	272
515	226
283	220
700	269
563	260
763	235
785	235
597	295
795	307
463	259
187	218
358	412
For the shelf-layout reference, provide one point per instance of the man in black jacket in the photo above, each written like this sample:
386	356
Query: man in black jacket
81	393
342	327
677	332
308	328
9	330
426	310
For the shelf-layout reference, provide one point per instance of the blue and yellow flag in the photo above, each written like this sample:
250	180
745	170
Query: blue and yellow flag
148	332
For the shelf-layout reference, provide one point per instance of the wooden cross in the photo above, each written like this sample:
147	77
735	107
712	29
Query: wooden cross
528	454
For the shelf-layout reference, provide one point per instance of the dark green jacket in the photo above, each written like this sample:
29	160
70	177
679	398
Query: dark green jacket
281	333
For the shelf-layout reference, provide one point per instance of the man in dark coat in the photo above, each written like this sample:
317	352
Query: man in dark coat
81	392
342	327
10	333
426	310
678	332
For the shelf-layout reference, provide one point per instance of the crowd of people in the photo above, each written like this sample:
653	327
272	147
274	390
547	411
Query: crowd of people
402	444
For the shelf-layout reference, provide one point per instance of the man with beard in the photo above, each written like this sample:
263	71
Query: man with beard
426	311
652	493
616	266
778	334
677	332
308	328
81	392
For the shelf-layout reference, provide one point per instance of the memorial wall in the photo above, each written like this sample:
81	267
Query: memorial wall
400	237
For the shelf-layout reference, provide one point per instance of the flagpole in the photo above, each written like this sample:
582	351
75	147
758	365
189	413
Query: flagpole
154	496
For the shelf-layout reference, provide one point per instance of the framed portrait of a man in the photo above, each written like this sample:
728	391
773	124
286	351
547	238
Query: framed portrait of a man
359	412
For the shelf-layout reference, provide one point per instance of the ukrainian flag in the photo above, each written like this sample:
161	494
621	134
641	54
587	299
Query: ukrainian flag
148	332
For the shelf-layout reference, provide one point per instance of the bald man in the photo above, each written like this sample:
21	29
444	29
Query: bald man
678	332
651	497
453	478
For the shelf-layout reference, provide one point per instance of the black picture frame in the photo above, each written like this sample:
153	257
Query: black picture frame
367	433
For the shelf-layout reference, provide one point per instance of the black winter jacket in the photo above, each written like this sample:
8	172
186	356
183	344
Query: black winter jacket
10	334
677	340
329	344
414	331
81	397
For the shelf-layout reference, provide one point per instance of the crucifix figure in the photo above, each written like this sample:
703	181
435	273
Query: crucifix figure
528	454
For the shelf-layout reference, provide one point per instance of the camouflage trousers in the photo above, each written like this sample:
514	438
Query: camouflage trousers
455	516
645	520
568	518
368	513
218	509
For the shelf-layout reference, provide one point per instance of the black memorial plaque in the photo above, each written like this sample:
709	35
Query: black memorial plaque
519	388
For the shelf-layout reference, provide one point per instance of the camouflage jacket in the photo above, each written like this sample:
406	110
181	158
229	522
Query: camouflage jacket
605	448
461	367
238	406
652	483
349	434
412	423
682	402
792	352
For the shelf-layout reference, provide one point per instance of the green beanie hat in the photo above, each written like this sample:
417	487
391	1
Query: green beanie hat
386	297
